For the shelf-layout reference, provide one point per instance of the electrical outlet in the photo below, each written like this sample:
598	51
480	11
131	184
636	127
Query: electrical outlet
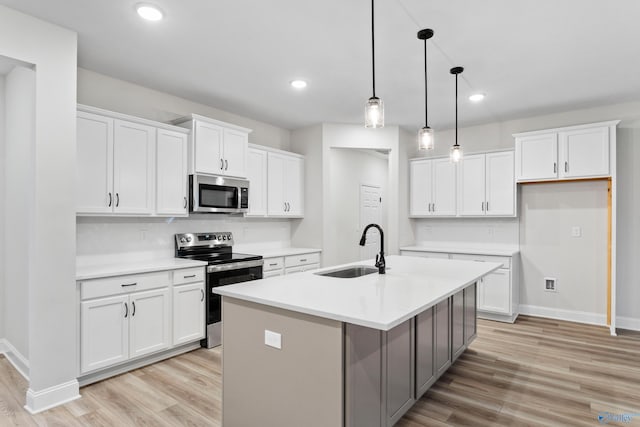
550	284
576	231
272	339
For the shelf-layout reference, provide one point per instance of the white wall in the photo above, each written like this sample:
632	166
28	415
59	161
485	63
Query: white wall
3	203
308	232
112	94
498	135
348	169
628	269
357	136
547	249
51	306
19	204
467	232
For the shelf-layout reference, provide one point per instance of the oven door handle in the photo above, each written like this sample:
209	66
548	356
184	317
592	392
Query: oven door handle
234	266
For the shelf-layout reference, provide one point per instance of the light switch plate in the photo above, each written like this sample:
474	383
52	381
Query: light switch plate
272	339
576	231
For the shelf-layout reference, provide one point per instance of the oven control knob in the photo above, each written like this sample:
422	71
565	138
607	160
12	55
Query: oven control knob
183	240
224	237
189	239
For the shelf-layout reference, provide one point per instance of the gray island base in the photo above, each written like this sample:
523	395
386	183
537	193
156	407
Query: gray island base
328	371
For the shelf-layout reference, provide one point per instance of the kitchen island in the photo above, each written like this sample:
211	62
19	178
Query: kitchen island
307	349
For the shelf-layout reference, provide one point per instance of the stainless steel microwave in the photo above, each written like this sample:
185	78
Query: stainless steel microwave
218	194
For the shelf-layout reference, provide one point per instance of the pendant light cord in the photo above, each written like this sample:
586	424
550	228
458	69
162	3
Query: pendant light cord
426	106
373	50
456	110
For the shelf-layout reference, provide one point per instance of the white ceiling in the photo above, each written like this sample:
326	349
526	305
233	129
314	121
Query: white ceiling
529	57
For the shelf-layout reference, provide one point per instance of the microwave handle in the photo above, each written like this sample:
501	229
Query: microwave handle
239	201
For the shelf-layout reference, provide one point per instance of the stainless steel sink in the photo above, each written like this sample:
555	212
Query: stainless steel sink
349	272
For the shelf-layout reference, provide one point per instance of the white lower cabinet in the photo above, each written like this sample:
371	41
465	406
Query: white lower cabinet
278	266
149	322
125	318
188	313
497	293
116	329
104	332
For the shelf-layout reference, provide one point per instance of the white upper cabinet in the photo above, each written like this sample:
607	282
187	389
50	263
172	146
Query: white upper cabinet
215	147
486	185
94	179
471	187
129	166
208	148
444	188
133	167
171	173
500	184
257	176
285	184
433	187
537	157
585	152
574	152
420	182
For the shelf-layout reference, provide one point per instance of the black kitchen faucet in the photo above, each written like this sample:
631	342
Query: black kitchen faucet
380	263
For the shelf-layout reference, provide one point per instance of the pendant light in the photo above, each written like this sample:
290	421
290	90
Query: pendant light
374	109
456	151
425	134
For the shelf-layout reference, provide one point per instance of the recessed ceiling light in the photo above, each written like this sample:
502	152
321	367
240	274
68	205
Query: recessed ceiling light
149	12
477	97
299	84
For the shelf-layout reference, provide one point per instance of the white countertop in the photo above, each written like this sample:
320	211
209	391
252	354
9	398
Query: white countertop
94	271
277	252
474	250
410	286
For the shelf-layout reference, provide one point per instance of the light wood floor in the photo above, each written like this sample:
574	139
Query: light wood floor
535	372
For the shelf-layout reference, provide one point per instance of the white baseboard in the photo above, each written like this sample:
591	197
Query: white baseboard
15	358
568	315
38	401
630	323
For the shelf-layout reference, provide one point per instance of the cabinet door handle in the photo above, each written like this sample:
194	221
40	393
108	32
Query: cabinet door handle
285	206
110	199
221	164
185	203
190	276
129	284
487	206
434	207
303	260
126	310
133	303
202	293
226	165
482	206
566	166
429	207
555	167
117	200
273	264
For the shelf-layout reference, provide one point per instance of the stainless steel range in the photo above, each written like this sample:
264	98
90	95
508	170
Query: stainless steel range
225	268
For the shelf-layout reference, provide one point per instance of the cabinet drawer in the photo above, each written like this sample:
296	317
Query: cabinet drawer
123	284
188	275
304	259
273	264
505	260
272	273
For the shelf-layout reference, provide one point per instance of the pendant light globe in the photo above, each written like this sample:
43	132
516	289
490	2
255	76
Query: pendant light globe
425	134
374	108
455	154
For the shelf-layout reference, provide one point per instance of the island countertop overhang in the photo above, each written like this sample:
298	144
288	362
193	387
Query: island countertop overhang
411	286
